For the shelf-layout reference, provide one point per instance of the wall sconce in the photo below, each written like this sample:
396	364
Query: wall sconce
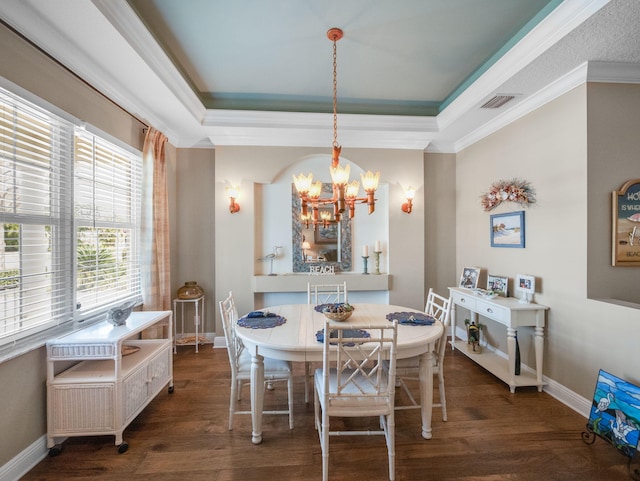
409	193
233	193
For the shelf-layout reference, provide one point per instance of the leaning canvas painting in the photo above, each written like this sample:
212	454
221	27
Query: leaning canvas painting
615	412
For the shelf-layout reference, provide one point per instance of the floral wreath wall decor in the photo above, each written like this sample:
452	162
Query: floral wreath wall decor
515	190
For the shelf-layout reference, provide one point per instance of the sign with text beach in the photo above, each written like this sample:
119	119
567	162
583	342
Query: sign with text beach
626	225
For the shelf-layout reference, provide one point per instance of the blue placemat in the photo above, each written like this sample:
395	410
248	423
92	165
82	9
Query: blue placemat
321	307
261	322
345	333
411	318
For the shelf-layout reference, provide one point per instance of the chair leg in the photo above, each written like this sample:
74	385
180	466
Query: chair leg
232	401
391	445
325	447
290	394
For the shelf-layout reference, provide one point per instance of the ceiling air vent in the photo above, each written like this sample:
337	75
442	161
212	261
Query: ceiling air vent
497	101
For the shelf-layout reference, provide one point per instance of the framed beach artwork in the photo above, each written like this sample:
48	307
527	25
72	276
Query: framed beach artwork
615	413
498	284
507	230
469	277
626	225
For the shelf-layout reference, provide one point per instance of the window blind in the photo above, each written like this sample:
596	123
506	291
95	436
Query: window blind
36	191
107	217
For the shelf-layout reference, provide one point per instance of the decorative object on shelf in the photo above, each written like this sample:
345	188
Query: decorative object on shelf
377	251
615	417
498	285
527	287
469	277
345	193
270	257
233	193
626	225
190	290
515	190
507	230
118	315
128	349
409	193
473	336
485	294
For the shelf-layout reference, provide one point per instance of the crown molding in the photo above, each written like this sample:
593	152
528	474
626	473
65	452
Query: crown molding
295	129
128	24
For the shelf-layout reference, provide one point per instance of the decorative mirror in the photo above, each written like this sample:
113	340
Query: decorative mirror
320	246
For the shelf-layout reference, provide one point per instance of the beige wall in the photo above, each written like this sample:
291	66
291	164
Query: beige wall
440	224
613	147
548	148
23	379
192	201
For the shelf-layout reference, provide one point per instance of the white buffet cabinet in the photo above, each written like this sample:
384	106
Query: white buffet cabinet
104	391
512	314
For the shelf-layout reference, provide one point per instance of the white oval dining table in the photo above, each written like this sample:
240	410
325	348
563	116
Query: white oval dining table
295	340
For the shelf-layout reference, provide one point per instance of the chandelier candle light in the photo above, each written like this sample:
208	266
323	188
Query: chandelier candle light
345	193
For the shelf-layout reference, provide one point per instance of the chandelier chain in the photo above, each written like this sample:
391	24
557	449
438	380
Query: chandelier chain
335	95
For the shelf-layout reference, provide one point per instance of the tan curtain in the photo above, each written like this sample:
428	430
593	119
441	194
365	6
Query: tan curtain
156	274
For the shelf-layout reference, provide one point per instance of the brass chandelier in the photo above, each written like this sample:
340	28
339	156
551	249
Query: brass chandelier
344	193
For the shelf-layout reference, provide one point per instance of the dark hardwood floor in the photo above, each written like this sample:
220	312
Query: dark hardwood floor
491	435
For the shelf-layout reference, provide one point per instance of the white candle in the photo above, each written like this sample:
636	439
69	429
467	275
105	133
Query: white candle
377	249
365	251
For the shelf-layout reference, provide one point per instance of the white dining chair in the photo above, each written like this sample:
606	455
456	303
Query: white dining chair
240	361
322	294
353	383
439	308
327	293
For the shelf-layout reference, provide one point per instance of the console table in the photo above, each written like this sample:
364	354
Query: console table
117	373
512	314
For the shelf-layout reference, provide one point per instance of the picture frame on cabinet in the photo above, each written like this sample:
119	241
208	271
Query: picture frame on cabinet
469	277
526	285
498	284
507	229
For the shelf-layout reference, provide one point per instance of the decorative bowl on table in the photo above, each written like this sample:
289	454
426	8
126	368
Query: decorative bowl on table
338	312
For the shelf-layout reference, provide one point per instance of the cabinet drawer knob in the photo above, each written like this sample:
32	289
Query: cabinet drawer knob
489	310
463	300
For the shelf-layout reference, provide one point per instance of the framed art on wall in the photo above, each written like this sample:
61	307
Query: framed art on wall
626	225
507	230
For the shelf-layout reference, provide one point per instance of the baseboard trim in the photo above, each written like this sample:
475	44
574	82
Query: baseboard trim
25	461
